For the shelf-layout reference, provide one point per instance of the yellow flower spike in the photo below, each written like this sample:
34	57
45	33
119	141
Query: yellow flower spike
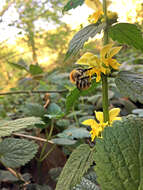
98	127
95	16
92	61
106	55
105	50
113	113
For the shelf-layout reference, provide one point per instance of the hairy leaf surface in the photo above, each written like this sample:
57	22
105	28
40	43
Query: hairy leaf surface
78	163
81	37
17	152
130	84
119	155
8	127
126	33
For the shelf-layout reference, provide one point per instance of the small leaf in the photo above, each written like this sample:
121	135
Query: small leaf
81	37
119	155
35	69
63	141
72	4
8	127
54	111
17	152
74	95
78	163
126	33
75	132
130	85
34	109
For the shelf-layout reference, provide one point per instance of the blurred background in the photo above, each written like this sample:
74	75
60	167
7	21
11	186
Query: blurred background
34	38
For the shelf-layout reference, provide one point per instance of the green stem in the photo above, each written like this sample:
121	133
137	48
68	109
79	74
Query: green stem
47	137
105	102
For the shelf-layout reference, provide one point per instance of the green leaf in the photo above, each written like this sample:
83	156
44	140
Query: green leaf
74	95
34	109
54	111
126	33
19	65
8	127
130	85
81	37
75	132
78	163
17	152
72	4
35	70
119	155
63	141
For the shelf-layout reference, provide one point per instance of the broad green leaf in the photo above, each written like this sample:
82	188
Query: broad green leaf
35	69
130	85
17	152
75	132
81	37
78	163
63	141
119	155
126	33
8	127
34	109
54	111
74	95
72	4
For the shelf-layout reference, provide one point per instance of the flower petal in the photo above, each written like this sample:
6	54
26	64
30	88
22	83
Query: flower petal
99	116
89	122
114	64
98	77
105	50
96	5
113	113
114	51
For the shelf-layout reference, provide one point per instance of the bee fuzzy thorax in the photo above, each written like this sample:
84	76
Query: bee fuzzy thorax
80	78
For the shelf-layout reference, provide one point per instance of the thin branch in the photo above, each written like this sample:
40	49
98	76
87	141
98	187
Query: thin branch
32	137
33	92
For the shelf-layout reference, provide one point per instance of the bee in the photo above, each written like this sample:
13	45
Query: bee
80	78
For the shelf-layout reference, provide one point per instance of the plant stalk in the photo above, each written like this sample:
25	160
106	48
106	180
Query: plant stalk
105	102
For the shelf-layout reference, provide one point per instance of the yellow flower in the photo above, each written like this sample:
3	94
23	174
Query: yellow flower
102	64
92	61
98	125
94	4
95	16
97	128
113	113
106	55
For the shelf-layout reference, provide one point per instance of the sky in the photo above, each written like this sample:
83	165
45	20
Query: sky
77	16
